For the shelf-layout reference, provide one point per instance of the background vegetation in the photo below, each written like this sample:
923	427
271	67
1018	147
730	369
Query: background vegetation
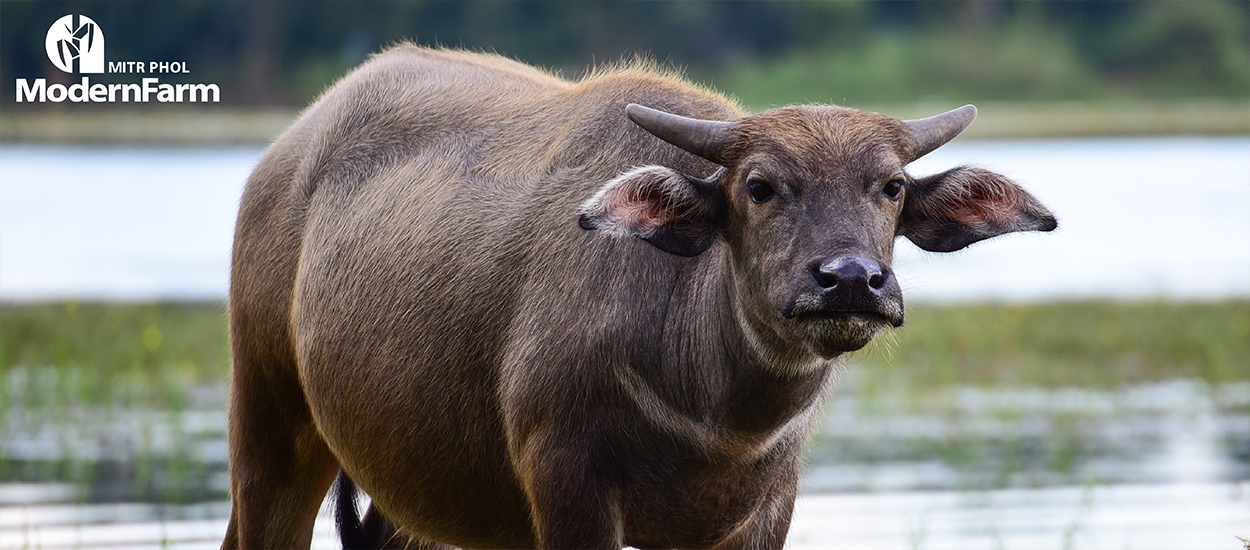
141	354
283	53
110	397
129	355
1094	344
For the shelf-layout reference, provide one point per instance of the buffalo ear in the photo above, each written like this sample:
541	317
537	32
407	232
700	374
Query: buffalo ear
675	212
948	211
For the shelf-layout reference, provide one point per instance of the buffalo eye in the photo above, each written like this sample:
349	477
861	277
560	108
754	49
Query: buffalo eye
759	190
892	189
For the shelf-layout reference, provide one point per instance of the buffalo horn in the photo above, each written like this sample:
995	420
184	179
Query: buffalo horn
705	138
930	133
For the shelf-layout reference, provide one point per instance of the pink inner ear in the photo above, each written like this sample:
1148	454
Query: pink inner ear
988	205
639	206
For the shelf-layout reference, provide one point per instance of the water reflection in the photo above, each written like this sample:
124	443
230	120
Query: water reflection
978	438
943	468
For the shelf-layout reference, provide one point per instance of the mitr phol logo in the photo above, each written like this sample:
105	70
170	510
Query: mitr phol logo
75	44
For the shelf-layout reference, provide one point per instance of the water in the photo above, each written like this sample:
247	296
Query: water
1139	217
1119	517
1159	465
118	223
1163	517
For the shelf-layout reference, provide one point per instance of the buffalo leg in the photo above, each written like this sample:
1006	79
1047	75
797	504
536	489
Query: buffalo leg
571	504
280	468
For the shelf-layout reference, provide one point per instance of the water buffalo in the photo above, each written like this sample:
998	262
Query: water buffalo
521	311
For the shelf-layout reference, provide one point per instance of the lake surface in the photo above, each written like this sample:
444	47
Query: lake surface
1163	465
1198	516
1139	218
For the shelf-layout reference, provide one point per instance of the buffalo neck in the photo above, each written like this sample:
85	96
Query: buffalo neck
722	373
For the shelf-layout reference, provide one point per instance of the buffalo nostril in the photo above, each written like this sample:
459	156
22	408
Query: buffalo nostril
823	278
876	281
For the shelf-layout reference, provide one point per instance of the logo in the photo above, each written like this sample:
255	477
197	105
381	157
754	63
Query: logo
75	44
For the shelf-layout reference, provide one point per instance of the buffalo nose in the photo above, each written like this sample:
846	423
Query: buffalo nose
851	273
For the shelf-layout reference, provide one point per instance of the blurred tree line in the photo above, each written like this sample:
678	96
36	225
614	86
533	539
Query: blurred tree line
283	53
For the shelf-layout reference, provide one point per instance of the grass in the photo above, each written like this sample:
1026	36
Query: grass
101	371
215	126
998	119
96	354
109	382
143	353
1099	344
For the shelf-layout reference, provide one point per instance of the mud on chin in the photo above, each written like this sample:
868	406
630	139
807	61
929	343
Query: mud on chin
835	334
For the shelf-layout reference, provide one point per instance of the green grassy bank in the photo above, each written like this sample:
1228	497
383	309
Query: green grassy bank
93	354
143	353
1095	344
1020	119
120	387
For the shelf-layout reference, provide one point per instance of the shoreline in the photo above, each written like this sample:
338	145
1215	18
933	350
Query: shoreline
997	120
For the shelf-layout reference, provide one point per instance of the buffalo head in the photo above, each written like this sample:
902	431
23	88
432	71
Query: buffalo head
808	202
